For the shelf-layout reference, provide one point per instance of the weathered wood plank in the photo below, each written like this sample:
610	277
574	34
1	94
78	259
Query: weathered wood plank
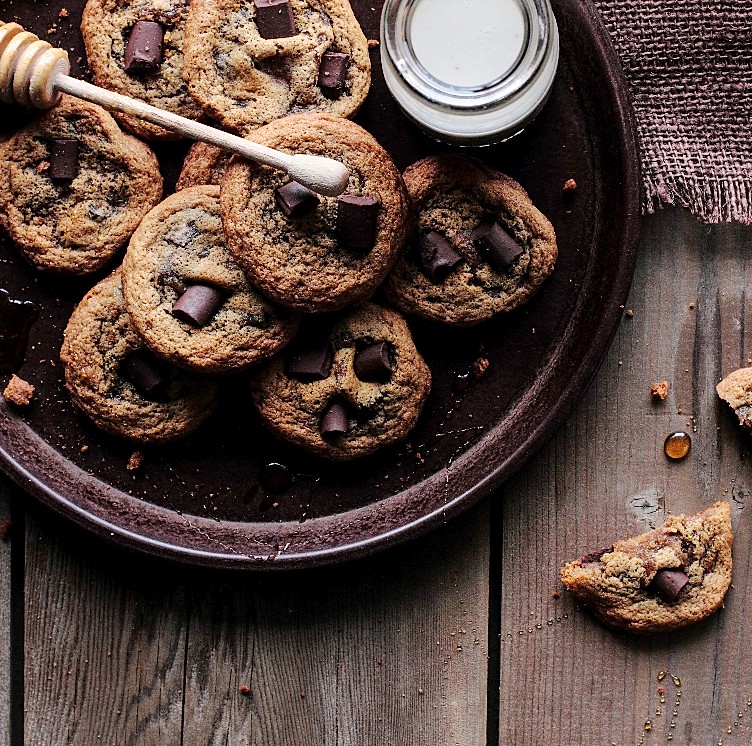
387	650
104	642
5	637
604	475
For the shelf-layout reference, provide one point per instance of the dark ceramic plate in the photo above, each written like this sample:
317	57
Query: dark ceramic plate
203	500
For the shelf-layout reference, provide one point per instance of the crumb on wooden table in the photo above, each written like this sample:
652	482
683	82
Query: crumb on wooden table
659	390
373	43
570	185
18	391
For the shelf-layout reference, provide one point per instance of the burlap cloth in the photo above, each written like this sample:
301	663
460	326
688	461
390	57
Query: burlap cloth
689	68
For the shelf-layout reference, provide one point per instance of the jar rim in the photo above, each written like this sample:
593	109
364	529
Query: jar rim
396	39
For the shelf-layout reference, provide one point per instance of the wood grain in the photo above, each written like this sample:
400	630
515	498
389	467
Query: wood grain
604	475
5	637
387	650
393	646
105	642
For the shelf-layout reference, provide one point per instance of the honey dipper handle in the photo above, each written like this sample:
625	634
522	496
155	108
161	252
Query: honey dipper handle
323	175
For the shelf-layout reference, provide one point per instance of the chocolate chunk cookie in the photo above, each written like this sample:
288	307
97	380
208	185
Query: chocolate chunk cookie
116	382
479	245
188	299
246	68
736	390
345	389
135	47
661	580
74	187
309	252
204	164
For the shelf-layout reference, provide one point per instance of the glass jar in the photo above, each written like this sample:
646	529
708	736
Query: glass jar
469	72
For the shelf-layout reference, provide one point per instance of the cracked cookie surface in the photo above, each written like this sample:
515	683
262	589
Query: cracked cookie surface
75	226
378	412
736	390
246	81
98	339
453	195
298	261
621	584
204	164
106	25
181	243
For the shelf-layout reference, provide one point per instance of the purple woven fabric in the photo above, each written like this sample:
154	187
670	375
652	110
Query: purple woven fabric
689	67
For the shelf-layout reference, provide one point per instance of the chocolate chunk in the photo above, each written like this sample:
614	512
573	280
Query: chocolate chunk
357	221
64	159
312	363
198	304
437	257
334	420
274	19
144	48
372	364
496	245
145	373
295	200
668	583
333	73
595	556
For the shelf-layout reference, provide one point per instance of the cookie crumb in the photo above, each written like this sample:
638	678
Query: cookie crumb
556	595
136	461
659	390
569	185
245	690
629	313
691	306
63	13
372	43
18	391
84	448
5	530
480	367
43	166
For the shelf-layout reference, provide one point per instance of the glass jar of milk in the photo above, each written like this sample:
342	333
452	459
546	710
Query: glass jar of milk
469	72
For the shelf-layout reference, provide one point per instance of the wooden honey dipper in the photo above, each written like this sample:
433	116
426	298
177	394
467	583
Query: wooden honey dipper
34	73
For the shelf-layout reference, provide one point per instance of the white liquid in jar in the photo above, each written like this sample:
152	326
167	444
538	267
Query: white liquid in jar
467	43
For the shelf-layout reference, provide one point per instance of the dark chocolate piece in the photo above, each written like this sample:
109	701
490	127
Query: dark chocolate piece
198	304
495	245
668	583
144	48
274	19
437	256
142	370
312	363
64	159
334	420
333	73
372	364
595	556
357	221
295	200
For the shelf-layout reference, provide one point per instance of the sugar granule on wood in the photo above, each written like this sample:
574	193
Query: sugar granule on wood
18	391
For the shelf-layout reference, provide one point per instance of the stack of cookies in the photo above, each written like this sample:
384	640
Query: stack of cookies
243	270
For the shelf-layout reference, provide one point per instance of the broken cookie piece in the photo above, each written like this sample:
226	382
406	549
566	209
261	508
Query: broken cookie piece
18	391
661	580
736	390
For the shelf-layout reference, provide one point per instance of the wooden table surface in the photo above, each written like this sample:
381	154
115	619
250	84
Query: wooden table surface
456	638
